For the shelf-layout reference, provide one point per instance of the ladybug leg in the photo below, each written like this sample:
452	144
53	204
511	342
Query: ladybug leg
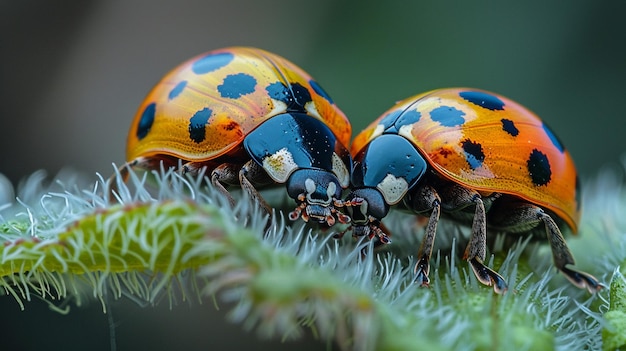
427	199
563	257
251	170
383	235
528	216
226	173
124	171
337	203
477	249
457	198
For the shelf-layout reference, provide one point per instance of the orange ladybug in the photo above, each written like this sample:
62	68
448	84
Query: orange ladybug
251	118
476	157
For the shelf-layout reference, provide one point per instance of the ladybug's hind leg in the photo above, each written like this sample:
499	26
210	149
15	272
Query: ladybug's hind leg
527	216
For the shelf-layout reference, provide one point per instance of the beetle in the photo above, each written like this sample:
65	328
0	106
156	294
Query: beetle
251	118
476	157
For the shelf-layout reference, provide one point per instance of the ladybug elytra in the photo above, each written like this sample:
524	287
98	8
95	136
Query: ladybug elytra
476	157
251	118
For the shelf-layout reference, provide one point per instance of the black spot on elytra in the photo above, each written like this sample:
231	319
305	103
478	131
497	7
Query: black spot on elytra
509	127
237	85
482	99
146	120
447	116
295	96
555	140
539	168
197	124
474	154
211	62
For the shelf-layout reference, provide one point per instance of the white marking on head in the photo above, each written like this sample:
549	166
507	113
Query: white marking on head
392	188
309	185
330	191
363	210
280	165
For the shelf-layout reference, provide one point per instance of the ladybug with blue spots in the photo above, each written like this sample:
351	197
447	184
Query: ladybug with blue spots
250	118
476	157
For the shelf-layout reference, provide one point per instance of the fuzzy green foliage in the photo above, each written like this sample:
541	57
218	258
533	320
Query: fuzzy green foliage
614	334
182	241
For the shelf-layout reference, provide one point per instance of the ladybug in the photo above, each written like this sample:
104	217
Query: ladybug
250	118
476	157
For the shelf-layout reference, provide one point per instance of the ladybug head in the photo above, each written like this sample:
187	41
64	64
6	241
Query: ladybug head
317	193
366	207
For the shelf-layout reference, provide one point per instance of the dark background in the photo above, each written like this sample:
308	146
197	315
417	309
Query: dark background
73	74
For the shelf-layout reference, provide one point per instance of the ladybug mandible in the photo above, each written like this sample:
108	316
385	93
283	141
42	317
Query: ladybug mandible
251	118
476	157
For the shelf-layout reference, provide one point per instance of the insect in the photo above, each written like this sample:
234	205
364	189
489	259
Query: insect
251	118
476	157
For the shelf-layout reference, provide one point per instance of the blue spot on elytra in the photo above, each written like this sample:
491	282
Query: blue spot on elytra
146	120
177	89
277	91
390	119
319	91
555	140
474	154
447	116
408	117
237	85
211	62
197	123
509	127
483	100
295	96
398	118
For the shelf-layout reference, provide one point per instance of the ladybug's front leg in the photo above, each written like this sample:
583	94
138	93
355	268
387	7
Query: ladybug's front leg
426	199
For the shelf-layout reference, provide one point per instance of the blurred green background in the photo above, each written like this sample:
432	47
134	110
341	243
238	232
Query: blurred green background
73	74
